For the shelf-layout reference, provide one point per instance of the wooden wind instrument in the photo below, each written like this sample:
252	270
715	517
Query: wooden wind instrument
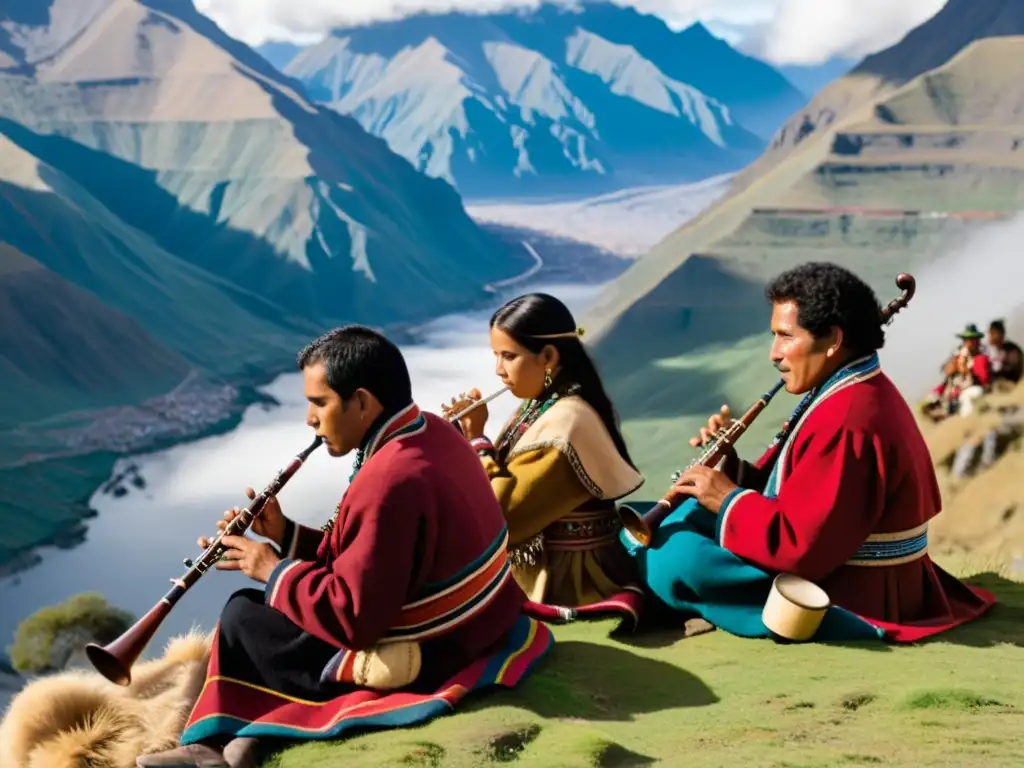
472	406
642	527
115	660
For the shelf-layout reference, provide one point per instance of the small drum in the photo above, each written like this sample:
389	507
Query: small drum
795	607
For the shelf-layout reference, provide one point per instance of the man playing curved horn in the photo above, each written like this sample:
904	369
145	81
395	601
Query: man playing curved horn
842	497
407	588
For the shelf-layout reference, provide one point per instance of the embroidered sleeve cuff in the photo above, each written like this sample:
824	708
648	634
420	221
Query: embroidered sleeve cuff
728	505
270	594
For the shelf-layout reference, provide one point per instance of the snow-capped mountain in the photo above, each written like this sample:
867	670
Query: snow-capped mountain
553	100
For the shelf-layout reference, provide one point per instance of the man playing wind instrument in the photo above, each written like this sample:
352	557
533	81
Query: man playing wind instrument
396	609
842	498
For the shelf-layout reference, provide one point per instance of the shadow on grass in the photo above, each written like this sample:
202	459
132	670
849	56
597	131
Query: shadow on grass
1002	624
662	627
577	681
602	683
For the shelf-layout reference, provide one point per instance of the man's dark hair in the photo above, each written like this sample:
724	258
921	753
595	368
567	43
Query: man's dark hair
998	325
355	357
827	295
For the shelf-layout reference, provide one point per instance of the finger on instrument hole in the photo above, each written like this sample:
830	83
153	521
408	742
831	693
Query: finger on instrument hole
250	493
203	542
227	564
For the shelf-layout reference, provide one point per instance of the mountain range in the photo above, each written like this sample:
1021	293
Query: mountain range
552	100
905	160
170	202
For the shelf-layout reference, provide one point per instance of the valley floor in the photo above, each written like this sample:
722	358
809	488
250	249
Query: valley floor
718	700
627	222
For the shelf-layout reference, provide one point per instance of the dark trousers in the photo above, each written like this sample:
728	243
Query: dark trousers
262	646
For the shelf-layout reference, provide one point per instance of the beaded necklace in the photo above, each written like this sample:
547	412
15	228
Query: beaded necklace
527	553
529	412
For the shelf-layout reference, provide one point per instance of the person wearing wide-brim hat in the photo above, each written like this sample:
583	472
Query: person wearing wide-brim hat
970	333
968	376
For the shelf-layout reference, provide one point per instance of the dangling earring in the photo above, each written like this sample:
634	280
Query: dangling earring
547	378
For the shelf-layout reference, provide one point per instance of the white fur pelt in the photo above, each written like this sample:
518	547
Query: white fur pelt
76	718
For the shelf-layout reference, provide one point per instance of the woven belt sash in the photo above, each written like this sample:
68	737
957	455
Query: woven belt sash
893	548
445	605
582	530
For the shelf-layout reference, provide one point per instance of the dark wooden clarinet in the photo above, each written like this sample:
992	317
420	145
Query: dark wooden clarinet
642	527
115	660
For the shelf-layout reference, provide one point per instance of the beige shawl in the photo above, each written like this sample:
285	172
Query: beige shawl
575	429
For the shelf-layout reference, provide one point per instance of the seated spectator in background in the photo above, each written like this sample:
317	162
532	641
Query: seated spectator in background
1007	359
968	377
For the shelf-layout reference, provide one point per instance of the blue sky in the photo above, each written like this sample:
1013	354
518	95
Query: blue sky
781	31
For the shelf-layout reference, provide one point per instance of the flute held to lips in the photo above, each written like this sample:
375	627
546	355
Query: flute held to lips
454	417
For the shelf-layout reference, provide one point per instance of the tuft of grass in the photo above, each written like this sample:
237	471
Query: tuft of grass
424	754
509	746
855	701
958	699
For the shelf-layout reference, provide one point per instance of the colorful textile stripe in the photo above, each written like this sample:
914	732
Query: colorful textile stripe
850	374
893	548
445	605
627	605
728	504
340	669
228	707
408	421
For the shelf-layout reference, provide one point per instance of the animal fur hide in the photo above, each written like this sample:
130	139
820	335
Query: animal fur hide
77	718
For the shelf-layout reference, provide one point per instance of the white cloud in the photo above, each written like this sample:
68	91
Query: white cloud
811	31
783	31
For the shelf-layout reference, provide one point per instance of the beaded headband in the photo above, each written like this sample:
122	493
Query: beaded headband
567	335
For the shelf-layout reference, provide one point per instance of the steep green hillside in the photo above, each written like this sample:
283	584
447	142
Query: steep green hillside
191	316
887	188
61	346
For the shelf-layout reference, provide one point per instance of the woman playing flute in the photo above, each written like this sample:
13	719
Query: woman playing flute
559	464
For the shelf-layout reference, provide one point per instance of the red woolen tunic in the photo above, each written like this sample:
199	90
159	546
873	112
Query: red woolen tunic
415	515
417	552
855	466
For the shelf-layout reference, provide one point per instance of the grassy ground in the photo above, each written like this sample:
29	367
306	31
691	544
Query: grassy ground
718	700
